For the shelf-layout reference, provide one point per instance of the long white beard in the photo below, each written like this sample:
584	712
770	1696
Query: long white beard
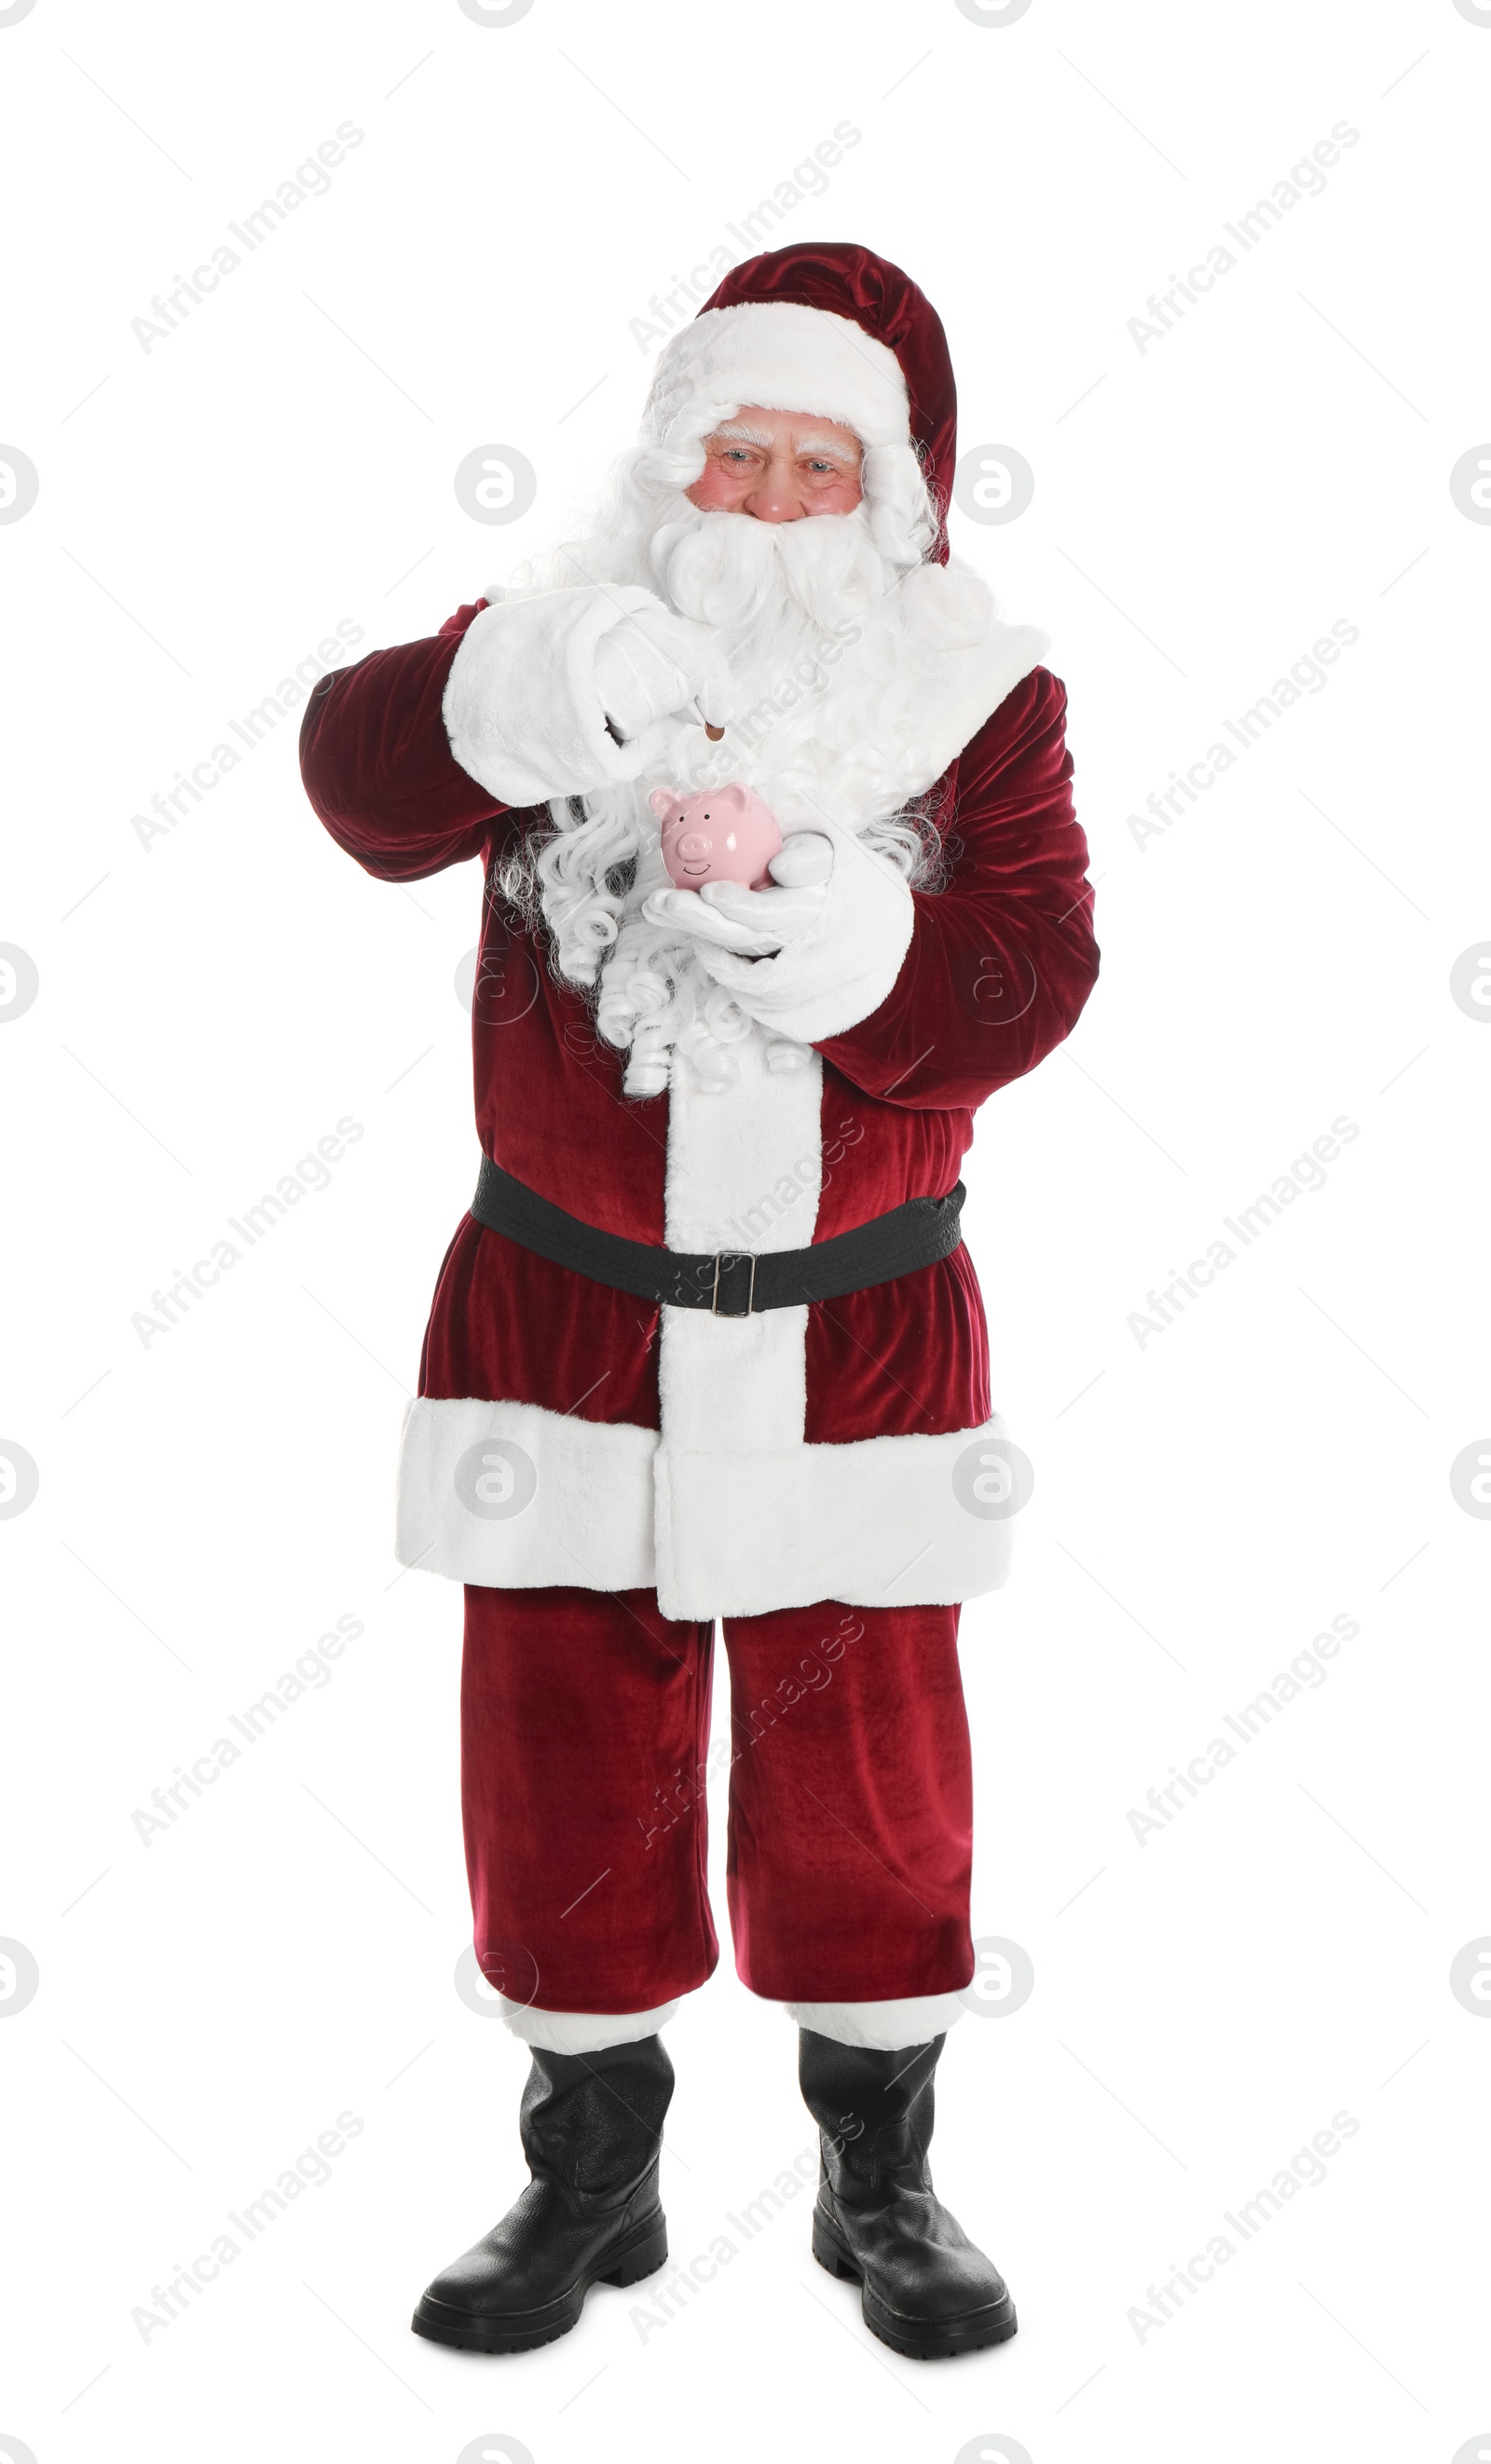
818	740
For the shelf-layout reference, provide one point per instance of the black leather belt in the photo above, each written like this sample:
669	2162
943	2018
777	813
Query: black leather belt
730	1282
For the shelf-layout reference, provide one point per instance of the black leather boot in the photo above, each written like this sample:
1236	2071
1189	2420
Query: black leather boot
592	2127
926	2291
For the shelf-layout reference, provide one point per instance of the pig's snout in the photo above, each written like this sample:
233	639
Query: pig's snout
693	851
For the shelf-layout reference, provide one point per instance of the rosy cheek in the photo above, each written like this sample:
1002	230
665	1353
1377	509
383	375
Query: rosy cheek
715	485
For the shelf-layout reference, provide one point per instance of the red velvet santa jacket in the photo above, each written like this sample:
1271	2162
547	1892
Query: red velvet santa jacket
568	1433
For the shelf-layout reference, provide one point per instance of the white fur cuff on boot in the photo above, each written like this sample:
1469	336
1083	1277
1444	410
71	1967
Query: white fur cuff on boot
889	2027
582	2032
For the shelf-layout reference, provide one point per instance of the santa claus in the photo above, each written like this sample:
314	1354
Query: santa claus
707	1345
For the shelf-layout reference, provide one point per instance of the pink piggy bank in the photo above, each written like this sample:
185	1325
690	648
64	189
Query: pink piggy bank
723	834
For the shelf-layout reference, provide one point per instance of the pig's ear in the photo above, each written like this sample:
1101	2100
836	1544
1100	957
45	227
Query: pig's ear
734	796
662	803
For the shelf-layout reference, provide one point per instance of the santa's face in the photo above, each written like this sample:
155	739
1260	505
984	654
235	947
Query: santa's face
779	465
760	581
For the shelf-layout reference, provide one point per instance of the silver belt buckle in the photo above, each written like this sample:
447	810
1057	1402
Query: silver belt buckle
750	1299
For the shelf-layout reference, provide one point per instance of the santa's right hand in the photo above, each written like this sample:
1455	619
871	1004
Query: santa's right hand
653	666
569	691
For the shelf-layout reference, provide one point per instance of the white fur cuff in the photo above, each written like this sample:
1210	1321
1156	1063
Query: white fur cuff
522	708
582	2032
889	2027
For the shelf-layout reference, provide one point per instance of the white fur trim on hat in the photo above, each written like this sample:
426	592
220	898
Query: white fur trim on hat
785	357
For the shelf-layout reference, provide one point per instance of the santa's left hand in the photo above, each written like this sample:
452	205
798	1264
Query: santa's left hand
754	923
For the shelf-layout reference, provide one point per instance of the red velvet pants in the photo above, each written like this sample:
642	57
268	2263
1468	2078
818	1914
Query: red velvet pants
585	1731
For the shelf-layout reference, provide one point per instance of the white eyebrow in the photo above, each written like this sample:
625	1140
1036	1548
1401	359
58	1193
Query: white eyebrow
736	431
827	448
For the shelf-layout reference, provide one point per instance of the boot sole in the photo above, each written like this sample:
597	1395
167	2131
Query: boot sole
969	2334
521	2331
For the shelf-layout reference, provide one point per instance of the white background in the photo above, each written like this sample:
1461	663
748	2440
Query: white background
1206	1503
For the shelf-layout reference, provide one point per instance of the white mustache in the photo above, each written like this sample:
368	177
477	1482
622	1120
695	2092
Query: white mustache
728	570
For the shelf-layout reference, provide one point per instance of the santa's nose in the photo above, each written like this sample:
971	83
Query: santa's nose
773	503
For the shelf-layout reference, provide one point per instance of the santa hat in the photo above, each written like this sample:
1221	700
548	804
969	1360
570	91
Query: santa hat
825	327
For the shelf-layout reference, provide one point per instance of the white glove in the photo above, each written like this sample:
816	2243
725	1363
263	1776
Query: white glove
806	857
839	944
652	665
753	923
535	680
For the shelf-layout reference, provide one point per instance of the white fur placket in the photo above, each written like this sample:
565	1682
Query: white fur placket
745	1173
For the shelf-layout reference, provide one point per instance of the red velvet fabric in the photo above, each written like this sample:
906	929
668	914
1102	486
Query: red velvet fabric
1001	961
510	1326
1002	957
377	764
585	1721
851	281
